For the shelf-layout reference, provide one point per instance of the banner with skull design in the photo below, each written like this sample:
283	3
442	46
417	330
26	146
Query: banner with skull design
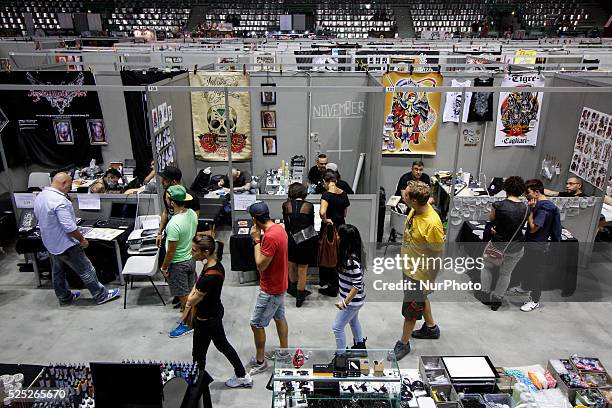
518	113
210	132
411	116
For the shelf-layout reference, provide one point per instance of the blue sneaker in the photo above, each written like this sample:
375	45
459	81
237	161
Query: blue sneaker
111	294
75	295
180	330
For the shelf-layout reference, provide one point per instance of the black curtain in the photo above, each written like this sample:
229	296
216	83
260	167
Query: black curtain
138	116
36	119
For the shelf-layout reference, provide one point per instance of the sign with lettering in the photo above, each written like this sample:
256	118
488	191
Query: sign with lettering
346	109
518	113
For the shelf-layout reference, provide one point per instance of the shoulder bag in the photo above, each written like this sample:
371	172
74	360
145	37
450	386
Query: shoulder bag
303	234
494	255
328	249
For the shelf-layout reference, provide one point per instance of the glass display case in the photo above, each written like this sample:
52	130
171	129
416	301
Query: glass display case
319	378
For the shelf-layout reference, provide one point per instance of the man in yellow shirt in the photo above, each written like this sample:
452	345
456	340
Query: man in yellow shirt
423	244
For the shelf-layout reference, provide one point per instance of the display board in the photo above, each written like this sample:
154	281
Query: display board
593	147
518	113
50	127
210	132
411	118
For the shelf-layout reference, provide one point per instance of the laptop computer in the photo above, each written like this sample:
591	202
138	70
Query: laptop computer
123	215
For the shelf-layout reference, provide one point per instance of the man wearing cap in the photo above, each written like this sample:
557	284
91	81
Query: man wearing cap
109	183
178	266
341	184
171	176
271	257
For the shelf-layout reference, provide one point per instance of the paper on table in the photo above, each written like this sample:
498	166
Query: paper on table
24	200
89	201
468	367
243	201
103	234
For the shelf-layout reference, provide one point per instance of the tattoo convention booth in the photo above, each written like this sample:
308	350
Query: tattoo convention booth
245	119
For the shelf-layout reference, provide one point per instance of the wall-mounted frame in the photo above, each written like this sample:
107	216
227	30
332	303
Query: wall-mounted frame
268	120
97	132
269	145
268	97
63	131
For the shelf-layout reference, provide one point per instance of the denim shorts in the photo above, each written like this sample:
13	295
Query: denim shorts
268	307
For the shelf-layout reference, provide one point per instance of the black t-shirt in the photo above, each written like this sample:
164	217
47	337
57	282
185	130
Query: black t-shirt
336	204
241	181
314	175
210	307
566	194
194	204
509	216
403	181
481	104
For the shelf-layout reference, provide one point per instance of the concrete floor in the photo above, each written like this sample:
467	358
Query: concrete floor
36	330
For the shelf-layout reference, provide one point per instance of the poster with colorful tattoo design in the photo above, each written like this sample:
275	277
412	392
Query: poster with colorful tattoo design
411	116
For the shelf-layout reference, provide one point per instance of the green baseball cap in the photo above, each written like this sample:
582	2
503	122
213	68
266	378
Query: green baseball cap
178	193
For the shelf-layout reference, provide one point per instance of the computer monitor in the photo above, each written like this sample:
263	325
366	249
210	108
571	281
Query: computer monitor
127	385
123	210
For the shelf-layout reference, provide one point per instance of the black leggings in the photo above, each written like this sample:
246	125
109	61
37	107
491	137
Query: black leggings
209	330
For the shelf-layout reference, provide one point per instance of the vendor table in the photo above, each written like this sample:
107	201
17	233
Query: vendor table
99	252
563	268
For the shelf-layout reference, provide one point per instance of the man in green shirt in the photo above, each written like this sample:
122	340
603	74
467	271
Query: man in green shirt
178	266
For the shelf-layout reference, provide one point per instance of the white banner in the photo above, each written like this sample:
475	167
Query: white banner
452	106
518	113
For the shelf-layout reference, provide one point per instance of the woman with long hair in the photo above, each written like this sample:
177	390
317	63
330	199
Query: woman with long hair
205	297
351	288
334	207
298	215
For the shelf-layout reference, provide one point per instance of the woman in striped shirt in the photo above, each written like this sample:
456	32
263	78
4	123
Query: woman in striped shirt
351	287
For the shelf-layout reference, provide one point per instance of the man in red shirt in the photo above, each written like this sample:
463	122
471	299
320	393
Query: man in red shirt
271	257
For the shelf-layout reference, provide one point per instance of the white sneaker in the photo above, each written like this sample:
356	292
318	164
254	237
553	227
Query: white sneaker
256	368
240	382
529	306
517	291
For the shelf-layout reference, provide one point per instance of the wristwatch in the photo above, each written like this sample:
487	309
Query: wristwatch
256	241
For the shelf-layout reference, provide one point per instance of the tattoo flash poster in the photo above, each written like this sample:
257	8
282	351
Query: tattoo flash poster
411	116
593	147
518	113
210	132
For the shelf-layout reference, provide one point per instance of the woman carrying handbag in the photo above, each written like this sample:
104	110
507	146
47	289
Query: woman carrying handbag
505	249
334	207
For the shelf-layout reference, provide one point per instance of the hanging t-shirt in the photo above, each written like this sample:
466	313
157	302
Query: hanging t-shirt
481	105
452	107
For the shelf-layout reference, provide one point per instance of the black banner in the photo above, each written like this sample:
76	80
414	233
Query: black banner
49	127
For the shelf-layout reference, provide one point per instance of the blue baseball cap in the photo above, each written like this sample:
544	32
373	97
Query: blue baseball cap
259	209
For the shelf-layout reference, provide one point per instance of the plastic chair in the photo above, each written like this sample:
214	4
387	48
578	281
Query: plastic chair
39	180
397	223
141	266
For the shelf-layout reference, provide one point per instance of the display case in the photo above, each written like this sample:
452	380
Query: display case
317	377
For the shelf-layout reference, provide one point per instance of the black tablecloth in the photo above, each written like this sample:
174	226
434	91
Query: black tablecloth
241	247
562	258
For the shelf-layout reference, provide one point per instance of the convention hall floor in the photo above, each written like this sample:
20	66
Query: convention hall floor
36	330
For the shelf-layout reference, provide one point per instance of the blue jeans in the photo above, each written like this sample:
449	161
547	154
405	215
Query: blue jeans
268	307
350	315
75	259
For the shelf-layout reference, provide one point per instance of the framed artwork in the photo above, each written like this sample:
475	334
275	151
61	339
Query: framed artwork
268	97
97	133
268	120
63	131
268	144
155	120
